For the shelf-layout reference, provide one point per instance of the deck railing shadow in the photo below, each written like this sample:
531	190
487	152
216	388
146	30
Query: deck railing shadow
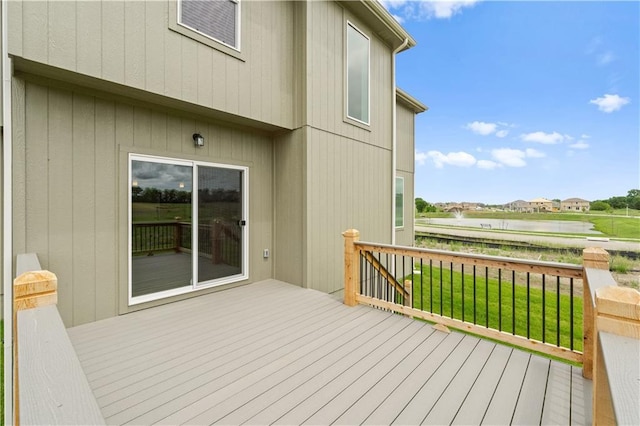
556	309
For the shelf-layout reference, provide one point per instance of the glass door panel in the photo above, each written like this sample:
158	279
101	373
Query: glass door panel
220	223
161	210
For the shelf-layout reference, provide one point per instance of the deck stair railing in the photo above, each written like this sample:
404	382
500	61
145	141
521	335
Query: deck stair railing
576	313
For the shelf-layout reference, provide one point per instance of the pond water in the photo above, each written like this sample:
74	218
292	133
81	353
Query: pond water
555	226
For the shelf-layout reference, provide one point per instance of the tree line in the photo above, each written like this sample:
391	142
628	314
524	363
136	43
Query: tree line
631	200
174	196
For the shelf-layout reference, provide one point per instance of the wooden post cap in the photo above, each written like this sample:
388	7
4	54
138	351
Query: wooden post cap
595	257
623	302
35	288
351	233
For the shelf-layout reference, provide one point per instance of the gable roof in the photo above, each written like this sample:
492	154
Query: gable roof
575	200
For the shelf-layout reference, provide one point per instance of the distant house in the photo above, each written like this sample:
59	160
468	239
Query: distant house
575	205
541	205
162	150
519	206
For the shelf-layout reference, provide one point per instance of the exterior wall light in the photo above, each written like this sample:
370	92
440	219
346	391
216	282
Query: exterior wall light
198	139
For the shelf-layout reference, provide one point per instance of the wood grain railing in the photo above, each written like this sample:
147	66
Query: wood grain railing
50	387
608	316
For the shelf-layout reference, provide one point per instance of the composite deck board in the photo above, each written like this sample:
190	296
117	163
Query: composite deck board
202	412
503	402
195	334
581	398
557	400
444	410
362	408
271	352
531	399
477	400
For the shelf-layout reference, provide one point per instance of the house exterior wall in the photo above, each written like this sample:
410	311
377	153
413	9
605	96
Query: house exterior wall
109	78
575	205
129	43
70	188
405	167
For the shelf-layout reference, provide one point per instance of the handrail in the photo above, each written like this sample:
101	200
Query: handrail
611	318
50	386
497	304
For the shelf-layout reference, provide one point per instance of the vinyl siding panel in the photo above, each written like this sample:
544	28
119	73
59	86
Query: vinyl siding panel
290	196
348	186
69	205
130	43
326	77
405	167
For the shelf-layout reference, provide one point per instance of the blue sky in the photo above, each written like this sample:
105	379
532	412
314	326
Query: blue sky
526	99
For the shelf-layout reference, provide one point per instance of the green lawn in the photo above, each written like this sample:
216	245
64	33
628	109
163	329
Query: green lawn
500	304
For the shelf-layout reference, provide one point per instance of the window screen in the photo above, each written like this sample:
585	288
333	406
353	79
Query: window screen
214	18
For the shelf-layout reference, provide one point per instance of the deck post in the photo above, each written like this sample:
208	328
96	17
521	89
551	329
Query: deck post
30	290
617	311
595	258
351	270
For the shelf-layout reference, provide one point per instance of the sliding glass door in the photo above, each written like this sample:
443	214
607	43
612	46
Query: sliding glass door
187	226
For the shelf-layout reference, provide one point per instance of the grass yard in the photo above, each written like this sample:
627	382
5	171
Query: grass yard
493	300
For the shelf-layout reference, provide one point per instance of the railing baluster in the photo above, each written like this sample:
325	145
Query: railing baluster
486	295
421	275
462	270
441	288
500	299
544	308
474	294
430	285
451	288
558	311
528	305
513	302
571	316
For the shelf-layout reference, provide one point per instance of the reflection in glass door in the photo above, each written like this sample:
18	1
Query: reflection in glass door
187	226
161	210
220	222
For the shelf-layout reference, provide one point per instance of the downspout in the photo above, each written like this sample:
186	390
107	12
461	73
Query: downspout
7	234
394	140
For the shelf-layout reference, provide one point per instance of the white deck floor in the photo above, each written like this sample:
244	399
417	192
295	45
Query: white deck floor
271	352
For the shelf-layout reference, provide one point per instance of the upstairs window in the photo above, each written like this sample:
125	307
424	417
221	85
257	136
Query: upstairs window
357	75
216	19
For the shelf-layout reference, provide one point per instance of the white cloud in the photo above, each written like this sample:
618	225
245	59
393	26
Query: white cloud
459	159
585	136
579	145
488	164
542	137
421	158
485	129
482	128
605	58
426	9
610	103
534	153
510	157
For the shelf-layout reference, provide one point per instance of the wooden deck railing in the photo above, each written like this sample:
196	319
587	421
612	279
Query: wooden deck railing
50	387
604	317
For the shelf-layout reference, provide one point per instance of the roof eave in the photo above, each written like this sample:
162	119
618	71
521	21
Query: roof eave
410	101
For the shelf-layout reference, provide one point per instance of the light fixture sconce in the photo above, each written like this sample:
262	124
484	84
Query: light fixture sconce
198	139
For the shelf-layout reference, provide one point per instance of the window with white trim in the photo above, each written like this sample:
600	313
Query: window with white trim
357	74
399	202
216	19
